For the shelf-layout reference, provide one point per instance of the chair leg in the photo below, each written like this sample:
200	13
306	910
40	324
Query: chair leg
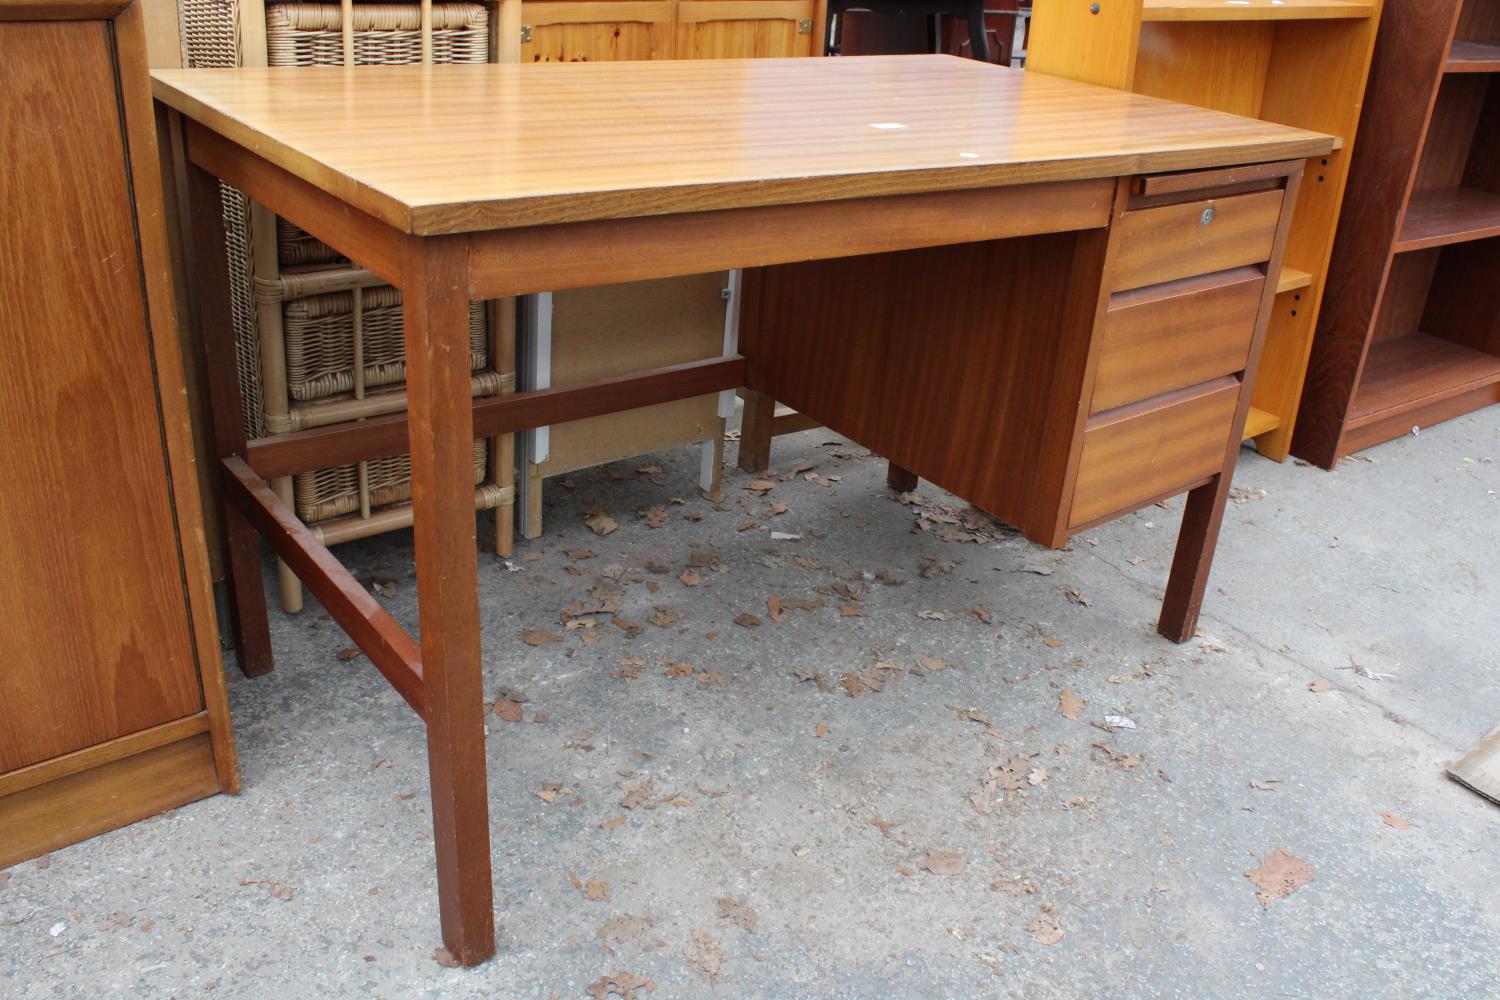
757	421
979	45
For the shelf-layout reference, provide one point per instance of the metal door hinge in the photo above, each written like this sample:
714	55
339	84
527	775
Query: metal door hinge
804	27
525	34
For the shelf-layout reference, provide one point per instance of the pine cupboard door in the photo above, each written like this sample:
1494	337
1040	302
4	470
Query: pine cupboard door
595	30
746	29
95	641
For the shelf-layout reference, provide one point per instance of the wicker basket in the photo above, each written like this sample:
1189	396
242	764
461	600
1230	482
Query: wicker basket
385	34
318	330
329	493
320	342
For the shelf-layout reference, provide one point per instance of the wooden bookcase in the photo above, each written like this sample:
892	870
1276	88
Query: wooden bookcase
112	704
1412	332
1295	62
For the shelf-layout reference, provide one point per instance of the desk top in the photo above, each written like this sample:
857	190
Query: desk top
443	149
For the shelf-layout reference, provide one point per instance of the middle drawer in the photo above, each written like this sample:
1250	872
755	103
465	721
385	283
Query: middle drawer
1174	335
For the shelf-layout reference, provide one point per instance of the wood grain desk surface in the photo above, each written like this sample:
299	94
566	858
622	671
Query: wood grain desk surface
445	149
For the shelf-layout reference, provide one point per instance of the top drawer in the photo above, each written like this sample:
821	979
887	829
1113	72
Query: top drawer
1194	237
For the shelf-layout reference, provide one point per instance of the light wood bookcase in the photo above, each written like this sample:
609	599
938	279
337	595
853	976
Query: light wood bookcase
1295	62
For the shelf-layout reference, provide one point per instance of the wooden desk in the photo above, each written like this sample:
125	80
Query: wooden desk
460	183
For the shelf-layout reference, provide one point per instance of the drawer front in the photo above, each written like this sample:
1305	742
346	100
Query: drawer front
1195	237
1137	453
1171	336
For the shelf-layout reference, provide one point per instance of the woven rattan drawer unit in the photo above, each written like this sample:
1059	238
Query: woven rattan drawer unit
320	340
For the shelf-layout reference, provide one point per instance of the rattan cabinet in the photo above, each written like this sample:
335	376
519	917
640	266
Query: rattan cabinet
112	702
319	339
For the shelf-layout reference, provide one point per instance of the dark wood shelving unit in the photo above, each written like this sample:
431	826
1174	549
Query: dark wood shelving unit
1410	330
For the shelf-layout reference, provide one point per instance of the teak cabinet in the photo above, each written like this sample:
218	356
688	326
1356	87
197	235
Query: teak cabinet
1411	334
1294	62
112	703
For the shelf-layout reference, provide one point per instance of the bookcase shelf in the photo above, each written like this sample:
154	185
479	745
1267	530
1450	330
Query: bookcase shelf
1451	215
1257	10
1413	337
1295	62
1473	57
1404	374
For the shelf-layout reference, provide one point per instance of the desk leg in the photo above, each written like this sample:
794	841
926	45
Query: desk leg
757	420
1201	517
252	633
899	479
440	415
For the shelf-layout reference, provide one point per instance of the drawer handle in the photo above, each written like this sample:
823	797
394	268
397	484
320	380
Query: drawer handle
1209	214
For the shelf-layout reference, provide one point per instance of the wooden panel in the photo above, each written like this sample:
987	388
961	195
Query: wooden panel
1175	241
597	30
76	382
59	10
514	262
742	132
1135	454
45	817
1172	336
1081	41
597	332
743	29
910	355
1206	65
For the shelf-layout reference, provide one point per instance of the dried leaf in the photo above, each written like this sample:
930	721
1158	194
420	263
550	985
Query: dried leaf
601	524
623	928
705	956
1071	593
507	710
690	577
1045	928
580	553
746	620
736	912
1069	704
620	984
539	637
1279	875
945	862
441	956
611	824
927	665
933	616
1393	821
1319	686
656	517
760	487
348	653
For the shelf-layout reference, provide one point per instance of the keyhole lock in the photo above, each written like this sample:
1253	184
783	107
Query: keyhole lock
1208	215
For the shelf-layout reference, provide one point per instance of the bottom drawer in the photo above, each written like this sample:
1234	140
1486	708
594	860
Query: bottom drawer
1136	453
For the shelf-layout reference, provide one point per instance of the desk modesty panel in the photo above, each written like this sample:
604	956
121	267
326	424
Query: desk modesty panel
1126	239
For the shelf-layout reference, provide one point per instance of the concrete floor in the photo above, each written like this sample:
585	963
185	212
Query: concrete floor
318	880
